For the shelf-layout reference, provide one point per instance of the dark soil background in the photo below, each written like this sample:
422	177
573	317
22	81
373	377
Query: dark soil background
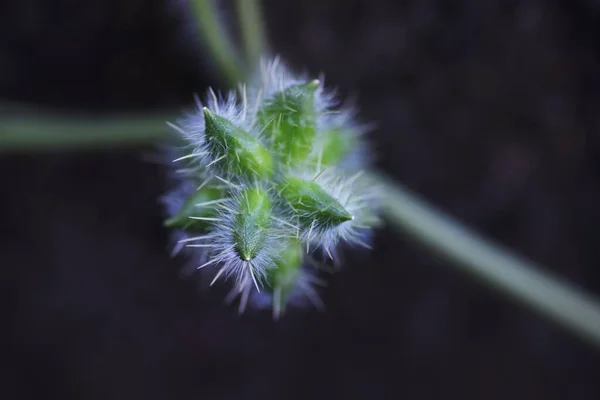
487	108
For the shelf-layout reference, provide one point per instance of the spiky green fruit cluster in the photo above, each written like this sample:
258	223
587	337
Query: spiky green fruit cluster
265	178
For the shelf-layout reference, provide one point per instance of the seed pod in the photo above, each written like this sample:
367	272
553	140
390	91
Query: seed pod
288	120
313	206
251	223
235	151
332	147
197	210
282	279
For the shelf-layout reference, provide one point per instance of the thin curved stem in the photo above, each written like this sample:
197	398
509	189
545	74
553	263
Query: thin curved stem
516	277
218	41
253	30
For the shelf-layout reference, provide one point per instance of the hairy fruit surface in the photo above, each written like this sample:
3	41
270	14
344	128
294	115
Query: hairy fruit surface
276	174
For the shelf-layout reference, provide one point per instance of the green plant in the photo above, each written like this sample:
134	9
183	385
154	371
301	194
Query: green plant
270	179
497	267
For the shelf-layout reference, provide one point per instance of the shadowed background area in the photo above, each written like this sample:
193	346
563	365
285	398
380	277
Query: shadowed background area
486	108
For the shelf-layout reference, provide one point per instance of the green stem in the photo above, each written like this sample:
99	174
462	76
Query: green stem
218	41
252	28
36	132
522	280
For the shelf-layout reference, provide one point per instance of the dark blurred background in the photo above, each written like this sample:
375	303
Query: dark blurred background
487	108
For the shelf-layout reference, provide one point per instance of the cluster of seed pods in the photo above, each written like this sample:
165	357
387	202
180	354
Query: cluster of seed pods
269	183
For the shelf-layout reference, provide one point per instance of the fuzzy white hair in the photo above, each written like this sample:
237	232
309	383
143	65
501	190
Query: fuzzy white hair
304	292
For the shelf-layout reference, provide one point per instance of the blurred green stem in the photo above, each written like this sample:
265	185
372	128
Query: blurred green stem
35	132
218	41
518	278
252	28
